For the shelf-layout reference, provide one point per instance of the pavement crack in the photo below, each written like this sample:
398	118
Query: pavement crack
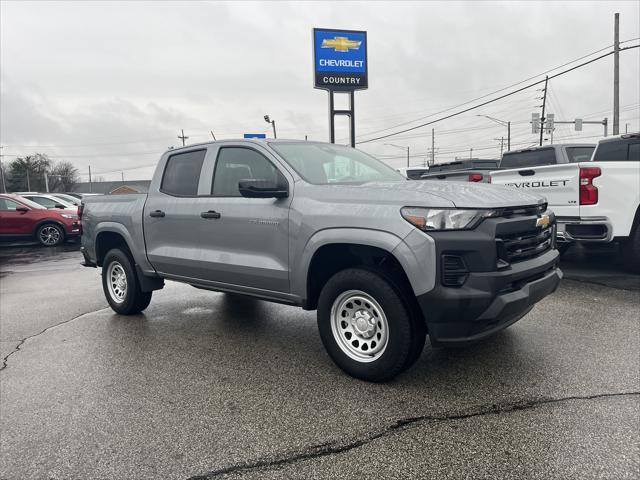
23	340
337	447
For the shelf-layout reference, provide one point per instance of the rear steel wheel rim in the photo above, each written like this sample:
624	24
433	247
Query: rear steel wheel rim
117	282
359	326
49	235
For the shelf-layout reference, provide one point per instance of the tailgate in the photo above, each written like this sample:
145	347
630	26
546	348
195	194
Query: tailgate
559	184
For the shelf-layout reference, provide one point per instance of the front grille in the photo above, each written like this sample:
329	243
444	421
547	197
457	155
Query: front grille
523	211
520	246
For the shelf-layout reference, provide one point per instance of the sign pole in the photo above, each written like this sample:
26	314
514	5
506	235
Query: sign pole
340	65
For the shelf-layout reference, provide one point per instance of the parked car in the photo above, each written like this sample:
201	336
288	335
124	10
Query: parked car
22	218
412	173
597	200
48	200
67	198
560	153
384	260
468	170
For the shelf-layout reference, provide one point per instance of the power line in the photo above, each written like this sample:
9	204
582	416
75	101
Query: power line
495	99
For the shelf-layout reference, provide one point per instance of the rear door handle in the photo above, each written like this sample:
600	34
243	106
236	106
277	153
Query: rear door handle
526	173
210	214
157	213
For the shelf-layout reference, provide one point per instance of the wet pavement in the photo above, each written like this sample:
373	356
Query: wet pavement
208	385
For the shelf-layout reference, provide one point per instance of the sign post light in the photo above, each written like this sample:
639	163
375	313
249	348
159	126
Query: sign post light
340	65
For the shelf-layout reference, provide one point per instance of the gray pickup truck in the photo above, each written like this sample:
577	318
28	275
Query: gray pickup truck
384	260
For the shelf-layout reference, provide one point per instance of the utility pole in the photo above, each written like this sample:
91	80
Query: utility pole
501	145
214	137
182	137
407	157
471	153
544	102
508	136
90	184
46	182
4	185
616	74
122	175
433	145
28	180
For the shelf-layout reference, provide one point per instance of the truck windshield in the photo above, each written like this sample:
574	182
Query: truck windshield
323	164
530	158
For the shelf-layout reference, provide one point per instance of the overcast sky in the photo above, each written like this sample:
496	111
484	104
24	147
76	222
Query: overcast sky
111	84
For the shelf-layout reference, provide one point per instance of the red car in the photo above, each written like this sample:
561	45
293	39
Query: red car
20	217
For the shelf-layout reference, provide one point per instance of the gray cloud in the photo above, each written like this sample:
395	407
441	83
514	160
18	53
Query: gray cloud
112	84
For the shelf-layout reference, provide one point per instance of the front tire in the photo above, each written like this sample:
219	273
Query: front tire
50	235
120	284
365	325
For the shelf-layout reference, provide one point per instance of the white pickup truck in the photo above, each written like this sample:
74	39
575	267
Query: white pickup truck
594	201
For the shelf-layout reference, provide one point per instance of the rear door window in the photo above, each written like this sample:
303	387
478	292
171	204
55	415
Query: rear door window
579	154
634	152
182	174
533	158
615	151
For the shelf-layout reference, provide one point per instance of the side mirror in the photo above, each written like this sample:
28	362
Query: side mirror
22	209
259	188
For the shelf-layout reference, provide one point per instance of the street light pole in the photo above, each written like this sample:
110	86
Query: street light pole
398	146
273	124
504	123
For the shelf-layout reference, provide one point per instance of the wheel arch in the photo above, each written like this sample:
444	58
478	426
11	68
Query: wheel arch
329	251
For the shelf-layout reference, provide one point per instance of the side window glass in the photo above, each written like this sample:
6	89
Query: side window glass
634	152
7	205
235	164
182	174
579	154
45	202
611	152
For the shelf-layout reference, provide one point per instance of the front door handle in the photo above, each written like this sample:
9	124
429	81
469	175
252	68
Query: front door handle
210	214
157	213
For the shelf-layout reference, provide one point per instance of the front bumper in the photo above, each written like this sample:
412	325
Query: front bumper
584	229
489	301
492	293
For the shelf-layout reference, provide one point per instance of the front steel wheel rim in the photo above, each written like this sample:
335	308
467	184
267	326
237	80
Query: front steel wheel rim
117	282
50	235
359	326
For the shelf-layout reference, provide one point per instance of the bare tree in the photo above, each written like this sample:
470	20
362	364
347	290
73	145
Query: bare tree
62	177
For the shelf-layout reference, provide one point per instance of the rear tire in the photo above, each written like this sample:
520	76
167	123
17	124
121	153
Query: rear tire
631	250
366	326
50	235
120	284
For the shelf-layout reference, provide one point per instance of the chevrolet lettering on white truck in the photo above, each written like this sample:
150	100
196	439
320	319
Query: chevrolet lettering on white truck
596	198
385	261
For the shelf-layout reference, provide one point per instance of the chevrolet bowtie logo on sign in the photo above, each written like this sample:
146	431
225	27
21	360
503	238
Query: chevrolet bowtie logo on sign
340	59
341	44
543	221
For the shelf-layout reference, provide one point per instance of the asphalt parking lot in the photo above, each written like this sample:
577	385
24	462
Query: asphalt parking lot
207	385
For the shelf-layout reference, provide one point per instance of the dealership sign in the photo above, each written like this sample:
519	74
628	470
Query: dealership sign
340	59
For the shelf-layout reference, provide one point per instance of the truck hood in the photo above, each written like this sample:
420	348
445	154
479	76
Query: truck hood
457	194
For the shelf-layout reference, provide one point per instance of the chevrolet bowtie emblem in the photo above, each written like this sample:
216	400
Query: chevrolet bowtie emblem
543	221
341	44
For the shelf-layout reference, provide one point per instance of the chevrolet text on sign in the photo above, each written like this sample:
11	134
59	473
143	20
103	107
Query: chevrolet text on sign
340	59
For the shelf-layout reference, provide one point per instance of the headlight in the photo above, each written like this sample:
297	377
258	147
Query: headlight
67	215
428	219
